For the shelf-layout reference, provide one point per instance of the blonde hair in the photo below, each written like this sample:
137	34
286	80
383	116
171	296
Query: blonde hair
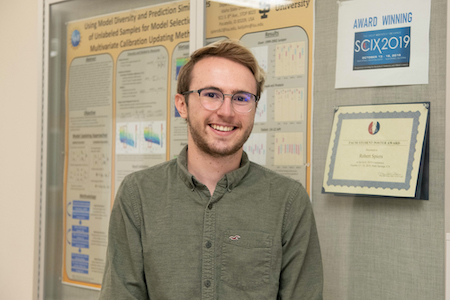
229	49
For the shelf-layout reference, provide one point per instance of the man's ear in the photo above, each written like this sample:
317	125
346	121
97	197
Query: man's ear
180	103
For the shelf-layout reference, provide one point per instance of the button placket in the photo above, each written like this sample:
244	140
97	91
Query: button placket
208	260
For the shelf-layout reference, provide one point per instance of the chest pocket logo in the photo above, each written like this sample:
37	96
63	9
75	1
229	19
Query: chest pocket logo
246	259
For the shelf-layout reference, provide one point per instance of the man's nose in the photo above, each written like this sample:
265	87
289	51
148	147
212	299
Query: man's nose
226	109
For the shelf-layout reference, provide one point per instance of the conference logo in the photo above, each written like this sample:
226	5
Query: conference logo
374	127
75	38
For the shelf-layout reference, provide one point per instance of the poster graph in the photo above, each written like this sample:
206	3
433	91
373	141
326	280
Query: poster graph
290	59
288	149
127	138
255	147
153	137
289	104
261	109
261	54
141	137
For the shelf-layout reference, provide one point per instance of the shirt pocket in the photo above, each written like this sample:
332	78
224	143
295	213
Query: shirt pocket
246	259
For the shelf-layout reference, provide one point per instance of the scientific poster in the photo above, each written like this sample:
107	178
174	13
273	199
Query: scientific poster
382	43
122	72
280	36
118	81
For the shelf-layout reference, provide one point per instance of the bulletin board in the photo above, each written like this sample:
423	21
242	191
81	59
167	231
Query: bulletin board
112	73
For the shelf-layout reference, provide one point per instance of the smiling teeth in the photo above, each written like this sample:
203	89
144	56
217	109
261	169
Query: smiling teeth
222	128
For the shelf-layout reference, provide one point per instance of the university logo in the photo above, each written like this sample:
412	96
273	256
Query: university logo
75	38
374	127
264	9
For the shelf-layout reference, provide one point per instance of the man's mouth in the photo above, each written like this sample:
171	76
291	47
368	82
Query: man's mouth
221	128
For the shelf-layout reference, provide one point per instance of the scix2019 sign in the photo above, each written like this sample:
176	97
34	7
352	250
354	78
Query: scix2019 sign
387	48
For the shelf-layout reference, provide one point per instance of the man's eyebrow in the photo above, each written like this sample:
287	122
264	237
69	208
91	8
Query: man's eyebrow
216	88
211	87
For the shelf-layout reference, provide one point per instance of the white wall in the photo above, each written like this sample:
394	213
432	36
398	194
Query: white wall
18	147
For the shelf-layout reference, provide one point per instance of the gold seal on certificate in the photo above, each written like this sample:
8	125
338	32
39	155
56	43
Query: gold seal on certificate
377	150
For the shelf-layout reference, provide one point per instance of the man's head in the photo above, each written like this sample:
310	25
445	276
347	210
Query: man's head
228	49
228	72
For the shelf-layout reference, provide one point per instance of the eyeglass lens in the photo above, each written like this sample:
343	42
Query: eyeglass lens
212	99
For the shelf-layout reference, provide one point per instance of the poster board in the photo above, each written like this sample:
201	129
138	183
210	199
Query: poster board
120	66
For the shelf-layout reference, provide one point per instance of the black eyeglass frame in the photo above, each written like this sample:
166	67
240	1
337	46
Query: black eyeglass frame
223	98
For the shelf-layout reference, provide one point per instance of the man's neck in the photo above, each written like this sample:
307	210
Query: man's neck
209	170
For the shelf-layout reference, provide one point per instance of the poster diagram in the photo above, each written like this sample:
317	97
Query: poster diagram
256	148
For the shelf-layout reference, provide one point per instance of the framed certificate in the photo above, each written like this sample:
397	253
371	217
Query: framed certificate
377	150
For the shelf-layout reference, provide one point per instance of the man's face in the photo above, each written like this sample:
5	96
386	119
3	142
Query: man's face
222	132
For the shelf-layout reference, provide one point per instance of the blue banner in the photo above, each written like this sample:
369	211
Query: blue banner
387	48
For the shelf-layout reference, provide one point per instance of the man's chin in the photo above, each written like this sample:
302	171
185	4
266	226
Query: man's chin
218	152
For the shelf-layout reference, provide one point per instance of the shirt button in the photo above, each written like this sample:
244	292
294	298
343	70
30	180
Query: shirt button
210	206
207	283
208	244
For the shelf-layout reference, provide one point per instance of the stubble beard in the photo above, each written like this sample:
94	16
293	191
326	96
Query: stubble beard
203	145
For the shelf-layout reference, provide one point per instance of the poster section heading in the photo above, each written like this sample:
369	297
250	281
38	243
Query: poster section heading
136	27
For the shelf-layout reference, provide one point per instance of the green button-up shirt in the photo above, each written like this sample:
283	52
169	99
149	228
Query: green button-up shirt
254	238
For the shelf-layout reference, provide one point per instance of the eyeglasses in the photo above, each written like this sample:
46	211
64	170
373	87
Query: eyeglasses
212	99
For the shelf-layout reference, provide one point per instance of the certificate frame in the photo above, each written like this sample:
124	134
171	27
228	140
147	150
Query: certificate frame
378	150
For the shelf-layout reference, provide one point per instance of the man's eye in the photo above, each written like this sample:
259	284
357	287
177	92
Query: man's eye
241	98
211	94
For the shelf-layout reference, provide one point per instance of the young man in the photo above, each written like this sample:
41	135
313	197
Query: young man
211	224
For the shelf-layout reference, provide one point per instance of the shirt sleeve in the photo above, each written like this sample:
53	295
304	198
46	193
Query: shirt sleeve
301	270
124	271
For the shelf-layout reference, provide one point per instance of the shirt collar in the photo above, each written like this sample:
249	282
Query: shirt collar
229	180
